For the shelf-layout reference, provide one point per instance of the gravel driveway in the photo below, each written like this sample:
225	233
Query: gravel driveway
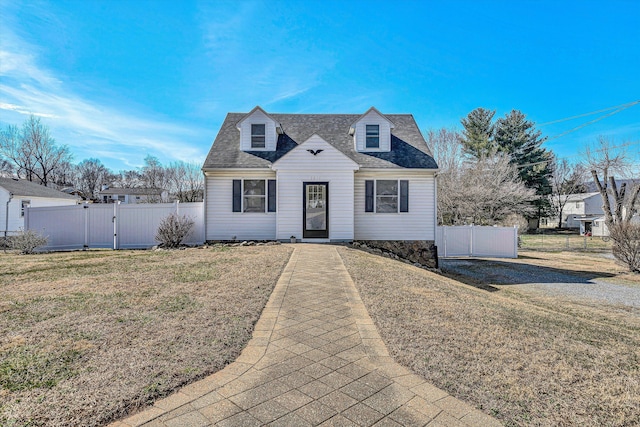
550	281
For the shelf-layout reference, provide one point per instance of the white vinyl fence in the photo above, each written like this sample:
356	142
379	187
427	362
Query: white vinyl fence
117	226
477	241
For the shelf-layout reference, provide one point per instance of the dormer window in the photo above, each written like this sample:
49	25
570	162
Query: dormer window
373	136
258	133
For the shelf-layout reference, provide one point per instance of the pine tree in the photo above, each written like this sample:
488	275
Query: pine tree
478	133
518	137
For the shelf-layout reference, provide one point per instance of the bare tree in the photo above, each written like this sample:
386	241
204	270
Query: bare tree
47	155
185	181
92	174
6	168
128	179
447	148
14	151
604	160
33	151
64	175
479	190
153	174
489	189
566	179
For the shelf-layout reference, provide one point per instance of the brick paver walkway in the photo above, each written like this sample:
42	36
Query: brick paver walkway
315	359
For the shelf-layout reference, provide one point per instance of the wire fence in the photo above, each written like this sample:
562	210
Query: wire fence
564	242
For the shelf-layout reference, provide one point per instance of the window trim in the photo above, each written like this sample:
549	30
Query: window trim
246	197
387	196
25	203
367	136
371	200
238	196
263	136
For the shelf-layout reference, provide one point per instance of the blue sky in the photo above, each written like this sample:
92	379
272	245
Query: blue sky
121	79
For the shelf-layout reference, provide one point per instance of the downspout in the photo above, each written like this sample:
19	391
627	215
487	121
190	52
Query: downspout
6	217
204	207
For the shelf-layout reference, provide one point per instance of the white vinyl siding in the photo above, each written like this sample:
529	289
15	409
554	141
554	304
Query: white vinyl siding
300	166
270	133
16	220
372	118
222	223
290	201
417	224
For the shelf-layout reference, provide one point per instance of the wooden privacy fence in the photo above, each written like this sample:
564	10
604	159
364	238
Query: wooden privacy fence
477	241
117	226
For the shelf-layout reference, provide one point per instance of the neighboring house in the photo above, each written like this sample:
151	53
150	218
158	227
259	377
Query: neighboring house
578	207
321	177
597	227
133	195
18	194
584	212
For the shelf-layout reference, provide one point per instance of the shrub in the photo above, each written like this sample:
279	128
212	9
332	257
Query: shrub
626	244
173	229
516	219
27	241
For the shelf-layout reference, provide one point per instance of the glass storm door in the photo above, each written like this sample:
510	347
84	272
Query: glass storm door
316	210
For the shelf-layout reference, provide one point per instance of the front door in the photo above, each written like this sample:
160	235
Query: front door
316	210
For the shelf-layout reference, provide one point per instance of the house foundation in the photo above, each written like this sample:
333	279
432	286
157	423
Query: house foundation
423	252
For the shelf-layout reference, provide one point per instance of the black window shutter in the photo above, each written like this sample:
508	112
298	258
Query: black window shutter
368	196
272	196
237	195
404	196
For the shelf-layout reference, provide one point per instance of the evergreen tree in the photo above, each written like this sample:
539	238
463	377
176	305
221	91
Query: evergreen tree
478	133
518	137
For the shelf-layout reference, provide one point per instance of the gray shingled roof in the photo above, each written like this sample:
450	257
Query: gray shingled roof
134	191
408	147
25	188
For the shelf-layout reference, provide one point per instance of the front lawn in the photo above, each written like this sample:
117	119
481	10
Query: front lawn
527	361
88	337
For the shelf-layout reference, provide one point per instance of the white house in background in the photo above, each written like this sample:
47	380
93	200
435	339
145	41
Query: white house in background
133	195
578	207
321	178
18	194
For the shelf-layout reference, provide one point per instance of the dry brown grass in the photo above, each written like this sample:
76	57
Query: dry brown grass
539	363
87	337
578	262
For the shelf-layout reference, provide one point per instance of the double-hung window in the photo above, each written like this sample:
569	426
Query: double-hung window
258	133
387	196
373	136
254	195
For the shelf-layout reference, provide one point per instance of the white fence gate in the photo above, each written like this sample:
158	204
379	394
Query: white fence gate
116	225
473	240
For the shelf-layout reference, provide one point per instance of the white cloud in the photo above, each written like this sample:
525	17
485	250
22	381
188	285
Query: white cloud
85	125
23	110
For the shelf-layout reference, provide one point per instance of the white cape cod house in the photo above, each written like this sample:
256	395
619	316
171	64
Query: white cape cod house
321	178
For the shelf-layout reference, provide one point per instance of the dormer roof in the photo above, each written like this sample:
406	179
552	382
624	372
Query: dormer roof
250	113
375	110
